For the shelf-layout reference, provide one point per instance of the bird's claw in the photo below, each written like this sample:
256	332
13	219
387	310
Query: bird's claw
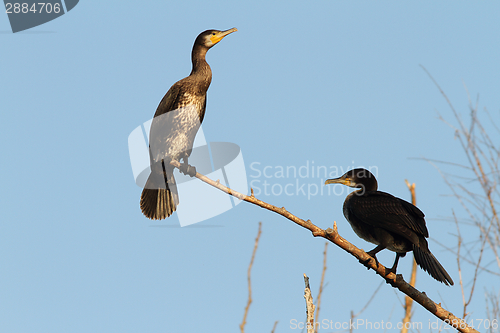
366	263
188	169
391	282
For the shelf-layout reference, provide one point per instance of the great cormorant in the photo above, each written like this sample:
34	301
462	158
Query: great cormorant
388	222
175	123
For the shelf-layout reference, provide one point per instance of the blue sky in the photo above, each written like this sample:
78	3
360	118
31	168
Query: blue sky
330	83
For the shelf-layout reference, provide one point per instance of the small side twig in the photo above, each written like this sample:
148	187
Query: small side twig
243	323
321	285
353	315
274	327
476	269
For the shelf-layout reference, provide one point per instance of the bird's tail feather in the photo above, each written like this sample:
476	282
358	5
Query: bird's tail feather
159	198
431	265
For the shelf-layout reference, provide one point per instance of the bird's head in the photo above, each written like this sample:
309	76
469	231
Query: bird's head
357	178
211	37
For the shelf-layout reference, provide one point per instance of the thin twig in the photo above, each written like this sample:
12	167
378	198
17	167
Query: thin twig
351	328
413	278
333	236
368	302
320	292
309	306
243	323
476	270
274	327
459	246
493	313
353	316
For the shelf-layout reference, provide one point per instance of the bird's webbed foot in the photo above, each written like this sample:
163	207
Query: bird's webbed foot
366	262
391	282
372	254
187	169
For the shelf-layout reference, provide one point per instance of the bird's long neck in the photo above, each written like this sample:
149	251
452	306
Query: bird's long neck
201	70
368	185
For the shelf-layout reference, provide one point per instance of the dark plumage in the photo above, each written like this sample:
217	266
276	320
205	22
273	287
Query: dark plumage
174	127
388	222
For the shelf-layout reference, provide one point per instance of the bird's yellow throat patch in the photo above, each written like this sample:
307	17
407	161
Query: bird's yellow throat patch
215	38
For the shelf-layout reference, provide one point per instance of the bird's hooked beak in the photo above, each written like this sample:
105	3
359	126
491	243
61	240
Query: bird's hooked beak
221	34
341	180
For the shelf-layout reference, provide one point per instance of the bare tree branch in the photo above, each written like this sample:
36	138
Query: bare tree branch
332	235
478	193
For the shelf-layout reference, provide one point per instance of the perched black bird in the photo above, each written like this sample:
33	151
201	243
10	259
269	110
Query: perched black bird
175	123
388	222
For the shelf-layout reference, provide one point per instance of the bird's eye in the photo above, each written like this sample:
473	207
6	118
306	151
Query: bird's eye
213	33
